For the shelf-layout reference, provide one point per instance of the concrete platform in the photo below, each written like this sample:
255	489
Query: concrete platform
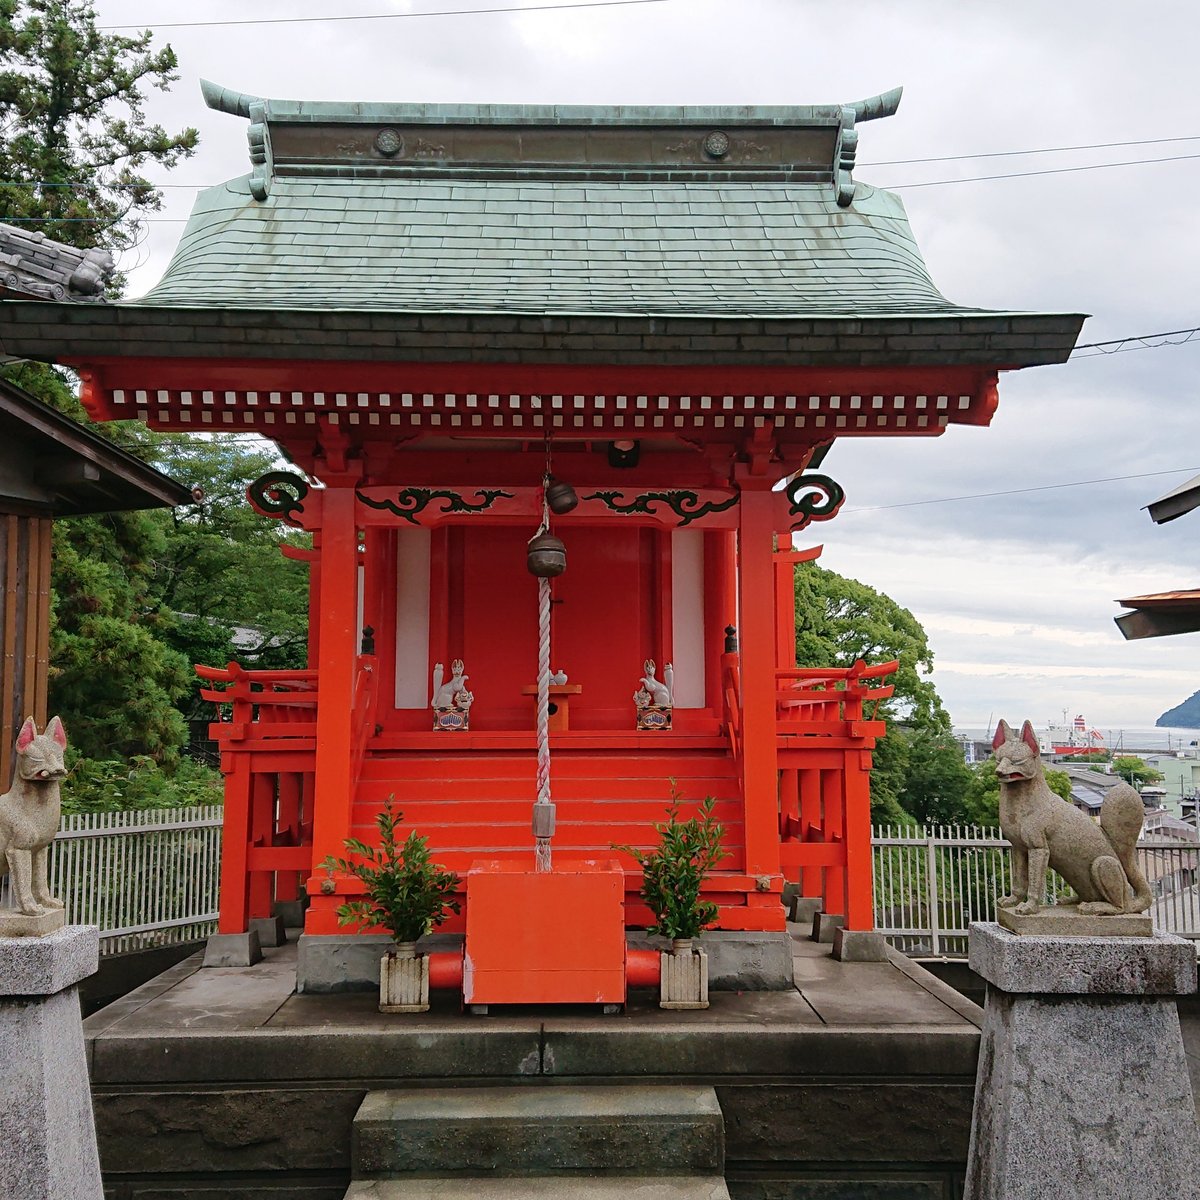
223	1082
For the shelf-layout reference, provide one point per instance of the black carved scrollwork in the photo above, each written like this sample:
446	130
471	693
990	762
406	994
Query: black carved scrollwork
687	506
409	502
279	493
813	498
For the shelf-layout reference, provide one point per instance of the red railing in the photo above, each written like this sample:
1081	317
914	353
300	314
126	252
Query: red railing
268	742
828	724
263	704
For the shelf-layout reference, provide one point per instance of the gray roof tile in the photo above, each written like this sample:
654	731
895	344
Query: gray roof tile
420	244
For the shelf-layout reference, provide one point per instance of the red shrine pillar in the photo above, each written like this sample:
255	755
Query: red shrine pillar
337	658
756	642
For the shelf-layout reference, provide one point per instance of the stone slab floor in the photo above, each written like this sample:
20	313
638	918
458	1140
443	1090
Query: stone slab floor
857	1082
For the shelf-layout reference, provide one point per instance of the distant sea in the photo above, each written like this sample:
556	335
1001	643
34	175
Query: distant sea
1130	739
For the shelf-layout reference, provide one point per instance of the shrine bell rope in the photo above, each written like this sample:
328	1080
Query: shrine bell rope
543	809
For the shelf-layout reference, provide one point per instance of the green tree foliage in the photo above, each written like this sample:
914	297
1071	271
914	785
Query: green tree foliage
919	773
221	562
1133	770
76	139
109	785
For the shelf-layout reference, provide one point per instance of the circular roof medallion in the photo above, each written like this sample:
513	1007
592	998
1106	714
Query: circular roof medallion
388	142
716	144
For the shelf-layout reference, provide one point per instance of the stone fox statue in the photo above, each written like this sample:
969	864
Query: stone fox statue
29	815
1098	861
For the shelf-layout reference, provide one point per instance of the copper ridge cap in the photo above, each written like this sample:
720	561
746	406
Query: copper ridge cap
227	100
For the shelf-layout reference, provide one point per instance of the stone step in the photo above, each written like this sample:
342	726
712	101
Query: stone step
539	1130
534	1187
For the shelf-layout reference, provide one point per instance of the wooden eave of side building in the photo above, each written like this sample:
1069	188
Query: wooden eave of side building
1160	614
51	465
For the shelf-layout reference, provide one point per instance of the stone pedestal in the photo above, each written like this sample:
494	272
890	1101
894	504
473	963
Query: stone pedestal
1082	1091
46	1127
233	950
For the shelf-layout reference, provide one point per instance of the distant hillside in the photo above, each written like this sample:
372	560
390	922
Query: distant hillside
1183	716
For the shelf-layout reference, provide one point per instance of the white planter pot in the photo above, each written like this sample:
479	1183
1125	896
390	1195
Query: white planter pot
683	977
404	980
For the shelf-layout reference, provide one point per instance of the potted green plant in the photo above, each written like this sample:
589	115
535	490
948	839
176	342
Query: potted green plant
673	874
406	894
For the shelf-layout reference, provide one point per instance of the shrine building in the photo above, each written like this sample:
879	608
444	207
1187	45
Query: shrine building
431	308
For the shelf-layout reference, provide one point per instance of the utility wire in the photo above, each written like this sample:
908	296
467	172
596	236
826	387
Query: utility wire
1173	337
1047	487
1136	162
447	12
903	162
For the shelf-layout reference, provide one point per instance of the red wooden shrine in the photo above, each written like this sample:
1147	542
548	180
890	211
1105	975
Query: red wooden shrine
686	308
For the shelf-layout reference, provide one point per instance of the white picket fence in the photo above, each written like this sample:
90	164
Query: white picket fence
145	878
151	879
931	882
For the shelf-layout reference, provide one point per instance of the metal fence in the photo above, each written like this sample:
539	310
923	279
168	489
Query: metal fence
151	879
931	882
145	878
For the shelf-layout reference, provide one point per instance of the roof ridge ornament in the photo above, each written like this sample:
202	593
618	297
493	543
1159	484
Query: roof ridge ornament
871	109
239	104
34	266
226	100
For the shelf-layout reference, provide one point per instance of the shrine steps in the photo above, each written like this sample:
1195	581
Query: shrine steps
619	1187
477	805
584	1142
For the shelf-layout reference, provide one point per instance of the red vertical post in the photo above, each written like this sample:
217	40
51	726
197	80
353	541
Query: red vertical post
235	842
756	641
860	900
833	784
789	801
286	882
336	663
785	604
262	829
812	879
314	602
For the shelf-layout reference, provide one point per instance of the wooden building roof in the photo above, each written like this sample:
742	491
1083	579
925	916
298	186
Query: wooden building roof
52	465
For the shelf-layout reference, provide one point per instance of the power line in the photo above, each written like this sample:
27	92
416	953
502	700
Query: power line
1047	487
448	12
1172	337
903	162
1136	162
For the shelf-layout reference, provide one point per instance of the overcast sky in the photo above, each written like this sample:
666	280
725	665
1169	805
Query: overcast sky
1015	591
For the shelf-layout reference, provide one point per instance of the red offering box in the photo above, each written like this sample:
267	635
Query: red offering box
550	937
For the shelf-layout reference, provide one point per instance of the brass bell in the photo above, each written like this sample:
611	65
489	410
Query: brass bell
560	496
547	555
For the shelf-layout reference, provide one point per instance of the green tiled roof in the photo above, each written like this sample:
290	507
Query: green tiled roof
424	244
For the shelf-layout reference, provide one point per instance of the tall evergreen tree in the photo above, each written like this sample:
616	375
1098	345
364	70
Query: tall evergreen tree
74	139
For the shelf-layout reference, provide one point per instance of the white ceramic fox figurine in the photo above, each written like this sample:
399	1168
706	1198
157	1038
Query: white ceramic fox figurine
29	816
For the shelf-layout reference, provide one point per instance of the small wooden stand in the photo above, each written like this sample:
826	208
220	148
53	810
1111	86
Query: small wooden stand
560	701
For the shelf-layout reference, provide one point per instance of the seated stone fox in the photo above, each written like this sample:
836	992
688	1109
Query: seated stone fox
29	815
1098	861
